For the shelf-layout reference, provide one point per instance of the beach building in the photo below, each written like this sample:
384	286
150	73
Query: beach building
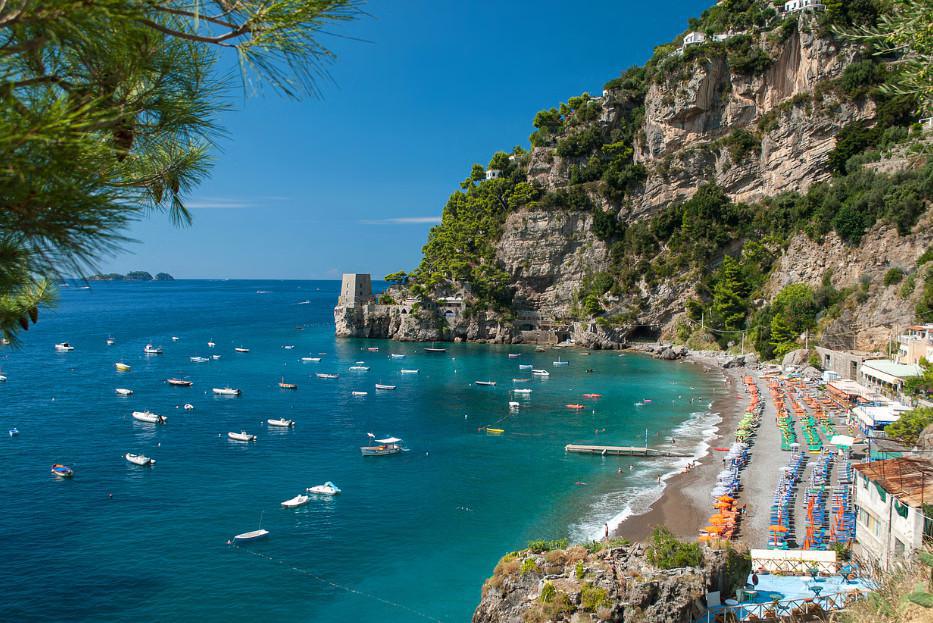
355	289
450	306
915	344
890	497
886	376
802	5
872	418
691	38
845	363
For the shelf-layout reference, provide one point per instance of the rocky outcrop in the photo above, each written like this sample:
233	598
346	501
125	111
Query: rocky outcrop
616	584
396	322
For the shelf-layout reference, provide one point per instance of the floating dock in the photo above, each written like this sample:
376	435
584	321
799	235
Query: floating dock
624	451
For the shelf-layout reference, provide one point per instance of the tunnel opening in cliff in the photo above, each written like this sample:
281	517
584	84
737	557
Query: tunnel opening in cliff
645	333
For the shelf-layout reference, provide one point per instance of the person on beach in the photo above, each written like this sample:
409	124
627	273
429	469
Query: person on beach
607	532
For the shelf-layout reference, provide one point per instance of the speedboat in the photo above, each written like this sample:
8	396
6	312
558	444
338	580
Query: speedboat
280	423
64	347
359	368
389	445
328	488
175	338
525	366
179	382
409	371
521	390
514	355
139	459
359	393
152	350
62	471
310	359
14	432
199	359
396	356
253	535
241	436
540	373
385	387
122	367
122	391
284	385
211	344
325	375
485	383
189	406
288	346
560	362
149	417
435	350
226	391
241	349
295	502
110	341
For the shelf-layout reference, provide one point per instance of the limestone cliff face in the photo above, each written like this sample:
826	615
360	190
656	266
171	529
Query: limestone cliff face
424	325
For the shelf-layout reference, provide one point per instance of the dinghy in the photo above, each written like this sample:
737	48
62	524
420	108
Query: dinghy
295	502
513	405
495	431
328	488
284	385
14	432
211	344
373	349
2	378
359	368
280	423
149	417
179	382
575	407
122	367
215	357
189	406
122	391
62	471
514	355
139	459
175	338
241	436
226	391
520	380
521	391
435	350
396	356
592	395
560	362
289	346
254	535
385	387
110	341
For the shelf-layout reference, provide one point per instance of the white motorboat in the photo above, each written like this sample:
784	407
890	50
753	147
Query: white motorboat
521	390
295	502
328	488
14	432
176	382
514	405
514	355
149	417
310	359
288	346
389	445
241	436
110	341
211	344
139	459
280	423
359	368
189	406
152	350
122	391
241	349
175	338
435	350
253	535
64	347
396	356
199	359
359	393
325	375
409	371
2	378
373	349
385	387
226	391
560	362
540	373
525	366
215	357
485	383
122	367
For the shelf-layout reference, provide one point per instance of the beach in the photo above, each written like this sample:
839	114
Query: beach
685	503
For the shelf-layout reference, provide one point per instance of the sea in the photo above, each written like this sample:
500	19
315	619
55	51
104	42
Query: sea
411	537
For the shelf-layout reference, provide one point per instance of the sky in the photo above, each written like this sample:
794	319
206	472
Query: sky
420	90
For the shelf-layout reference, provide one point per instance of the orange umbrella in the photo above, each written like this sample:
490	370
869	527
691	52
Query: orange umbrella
717	519
726	498
712	529
722	505
776	528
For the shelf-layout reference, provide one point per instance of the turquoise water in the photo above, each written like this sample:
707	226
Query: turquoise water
420	530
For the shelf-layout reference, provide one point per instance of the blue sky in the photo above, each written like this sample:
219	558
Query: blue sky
353	181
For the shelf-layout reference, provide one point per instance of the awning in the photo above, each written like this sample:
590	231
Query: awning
388	440
842	440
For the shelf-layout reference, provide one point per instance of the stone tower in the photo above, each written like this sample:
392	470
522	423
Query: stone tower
356	289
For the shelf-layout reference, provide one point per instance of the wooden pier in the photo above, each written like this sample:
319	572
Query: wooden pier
624	451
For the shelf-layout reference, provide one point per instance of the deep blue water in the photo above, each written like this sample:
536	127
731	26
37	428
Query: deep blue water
420	530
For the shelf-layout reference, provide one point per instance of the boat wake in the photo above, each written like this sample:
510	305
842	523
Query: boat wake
641	488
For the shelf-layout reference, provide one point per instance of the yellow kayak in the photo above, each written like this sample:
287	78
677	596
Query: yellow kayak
495	431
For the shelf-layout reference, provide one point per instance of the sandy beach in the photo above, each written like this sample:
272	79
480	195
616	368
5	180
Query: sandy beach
685	504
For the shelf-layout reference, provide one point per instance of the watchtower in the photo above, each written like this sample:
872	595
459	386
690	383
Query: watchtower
356	289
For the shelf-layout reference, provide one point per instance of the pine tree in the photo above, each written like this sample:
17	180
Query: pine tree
729	295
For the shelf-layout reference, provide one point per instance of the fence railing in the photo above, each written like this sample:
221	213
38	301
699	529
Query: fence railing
803	608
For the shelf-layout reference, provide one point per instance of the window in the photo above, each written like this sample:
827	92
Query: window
870	522
899	547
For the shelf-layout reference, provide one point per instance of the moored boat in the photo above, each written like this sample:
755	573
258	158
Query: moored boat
14	432
215	357
514	405
485	383
592	395
179	382
435	350
139	459
284	385
373	349
359	368
521	391
62	471
520	380
211	344
152	350
199	359
288	346
295	502
189	406
380	386
382	447
525	366
149	417
409	371
575	406
241	436
122	391
328	488
253	535
122	367
175	338
396	356
310	359
280	422
359	393
241	349
226	391
514	355
64	347
494	431
540	373
560	362
110	341
325	375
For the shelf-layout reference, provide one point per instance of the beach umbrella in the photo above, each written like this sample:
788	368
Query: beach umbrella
717	519
712	529
722	505
726	498
777	528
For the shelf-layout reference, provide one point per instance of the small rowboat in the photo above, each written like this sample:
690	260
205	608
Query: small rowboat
251	536
241	349
122	391
179	382
62	471
139	459
281	423
328	488
325	375
592	395
576	407
226	391
149	417
121	367
384	387
241	436
495	431
485	383
295	502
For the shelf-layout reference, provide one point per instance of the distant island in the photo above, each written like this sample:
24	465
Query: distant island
136	275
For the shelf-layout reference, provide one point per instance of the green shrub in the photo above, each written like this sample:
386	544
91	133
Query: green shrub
593	598
893	276
926	257
547	593
908	427
578	571
860	77
667	552
579	143
540	546
530	566
851	140
741	143
907	288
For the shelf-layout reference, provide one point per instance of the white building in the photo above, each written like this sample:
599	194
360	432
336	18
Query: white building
886	376
355	289
889	498
872	418
493	174
800	5
916	344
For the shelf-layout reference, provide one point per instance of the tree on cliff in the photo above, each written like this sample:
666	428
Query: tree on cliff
107	112
729	295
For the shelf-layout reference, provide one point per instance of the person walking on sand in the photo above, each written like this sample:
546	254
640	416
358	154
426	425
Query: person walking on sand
607	532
